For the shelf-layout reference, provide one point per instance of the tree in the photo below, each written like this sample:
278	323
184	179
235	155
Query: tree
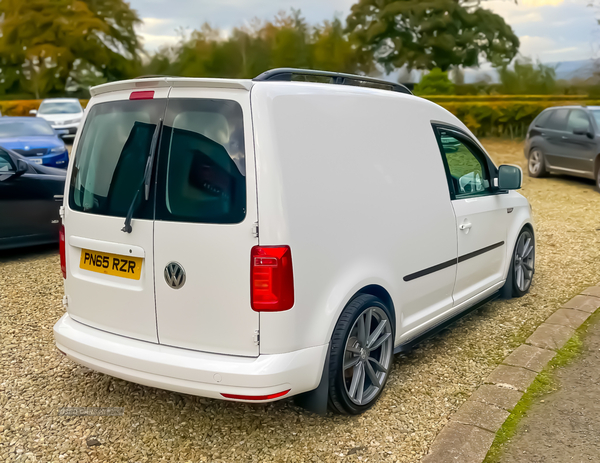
435	82
46	43
287	41
527	79
429	34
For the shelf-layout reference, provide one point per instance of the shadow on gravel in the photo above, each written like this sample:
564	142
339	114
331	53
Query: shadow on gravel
11	255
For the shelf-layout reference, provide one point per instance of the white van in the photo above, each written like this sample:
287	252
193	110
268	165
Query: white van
253	240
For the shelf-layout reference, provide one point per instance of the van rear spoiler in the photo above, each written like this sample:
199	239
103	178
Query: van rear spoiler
163	81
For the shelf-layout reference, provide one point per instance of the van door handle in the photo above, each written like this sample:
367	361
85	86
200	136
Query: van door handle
465	226
564	138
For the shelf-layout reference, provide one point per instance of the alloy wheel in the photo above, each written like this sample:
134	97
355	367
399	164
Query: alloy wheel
524	261
367	355
535	162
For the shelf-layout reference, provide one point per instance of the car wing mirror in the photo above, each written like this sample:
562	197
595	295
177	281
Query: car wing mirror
509	177
587	133
33	112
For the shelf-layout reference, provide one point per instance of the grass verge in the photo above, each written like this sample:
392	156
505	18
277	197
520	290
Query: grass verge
544	383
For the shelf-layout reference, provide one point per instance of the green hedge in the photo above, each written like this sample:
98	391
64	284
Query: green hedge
504	117
22	107
485	115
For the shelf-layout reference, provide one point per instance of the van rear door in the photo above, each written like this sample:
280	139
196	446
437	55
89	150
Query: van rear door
205	214
110	273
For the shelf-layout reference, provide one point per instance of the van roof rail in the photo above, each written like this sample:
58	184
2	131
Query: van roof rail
287	75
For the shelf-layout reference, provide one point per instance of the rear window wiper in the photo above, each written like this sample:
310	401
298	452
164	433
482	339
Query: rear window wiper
146	180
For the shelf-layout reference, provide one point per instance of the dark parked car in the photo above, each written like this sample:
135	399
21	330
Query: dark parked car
30	197
565	140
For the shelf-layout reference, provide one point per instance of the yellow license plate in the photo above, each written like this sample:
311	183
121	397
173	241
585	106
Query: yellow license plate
111	264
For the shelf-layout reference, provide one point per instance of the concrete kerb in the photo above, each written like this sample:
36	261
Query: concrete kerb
472	429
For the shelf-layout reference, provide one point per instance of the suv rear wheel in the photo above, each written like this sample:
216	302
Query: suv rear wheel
536	164
361	357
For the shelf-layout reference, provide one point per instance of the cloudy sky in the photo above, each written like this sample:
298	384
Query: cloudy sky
550	30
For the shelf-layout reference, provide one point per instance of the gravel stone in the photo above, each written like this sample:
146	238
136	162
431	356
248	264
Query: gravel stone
425	387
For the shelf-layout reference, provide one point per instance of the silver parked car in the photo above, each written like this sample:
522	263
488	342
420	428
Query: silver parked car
63	114
565	140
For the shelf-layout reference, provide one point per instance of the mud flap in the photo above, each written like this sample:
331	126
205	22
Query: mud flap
316	400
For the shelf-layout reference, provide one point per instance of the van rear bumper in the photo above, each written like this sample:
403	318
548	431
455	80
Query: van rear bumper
188	371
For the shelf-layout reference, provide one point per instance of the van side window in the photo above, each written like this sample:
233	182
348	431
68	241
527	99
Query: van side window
467	167
202	170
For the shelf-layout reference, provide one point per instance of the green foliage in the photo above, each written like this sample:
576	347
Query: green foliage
429	34
287	41
527	79
47	45
435	83
22	107
503	116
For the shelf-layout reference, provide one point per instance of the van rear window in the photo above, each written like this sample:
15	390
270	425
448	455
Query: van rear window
111	157
201	160
202	175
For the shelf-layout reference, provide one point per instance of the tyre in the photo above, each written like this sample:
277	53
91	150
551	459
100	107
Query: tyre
536	164
598	178
361	355
522	266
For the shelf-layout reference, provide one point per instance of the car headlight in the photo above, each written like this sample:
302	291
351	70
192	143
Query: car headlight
58	149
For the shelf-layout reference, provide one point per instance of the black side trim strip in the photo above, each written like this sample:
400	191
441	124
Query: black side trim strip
480	251
427	271
408	345
450	263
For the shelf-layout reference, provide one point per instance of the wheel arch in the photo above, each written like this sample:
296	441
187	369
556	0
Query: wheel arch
381	293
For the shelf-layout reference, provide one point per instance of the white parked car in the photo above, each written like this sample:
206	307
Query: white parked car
253	240
63	114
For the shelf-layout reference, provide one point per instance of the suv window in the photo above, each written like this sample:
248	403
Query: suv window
578	120
202	162
558	120
466	165
542	119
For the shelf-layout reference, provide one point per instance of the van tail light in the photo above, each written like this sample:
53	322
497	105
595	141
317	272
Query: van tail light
256	397
271	278
143	95
63	257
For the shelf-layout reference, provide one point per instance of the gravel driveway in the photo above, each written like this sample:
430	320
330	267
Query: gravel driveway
424	389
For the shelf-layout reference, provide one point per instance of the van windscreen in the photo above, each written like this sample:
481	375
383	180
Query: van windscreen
201	160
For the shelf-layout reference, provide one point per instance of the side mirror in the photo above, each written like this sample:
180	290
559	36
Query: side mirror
33	112
587	133
509	177
22	167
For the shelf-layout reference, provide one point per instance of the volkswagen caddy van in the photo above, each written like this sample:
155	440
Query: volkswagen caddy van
253	240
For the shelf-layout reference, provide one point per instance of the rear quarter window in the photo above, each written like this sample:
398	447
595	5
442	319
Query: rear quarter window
542	120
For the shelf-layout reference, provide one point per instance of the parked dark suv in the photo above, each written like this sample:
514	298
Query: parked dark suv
565	140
